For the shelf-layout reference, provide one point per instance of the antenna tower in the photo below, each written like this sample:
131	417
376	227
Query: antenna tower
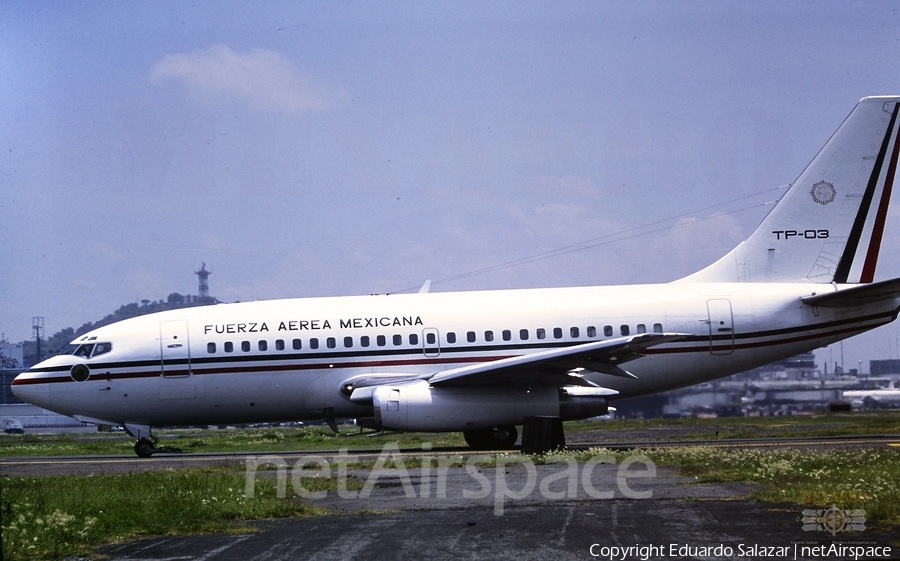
37	324
203	274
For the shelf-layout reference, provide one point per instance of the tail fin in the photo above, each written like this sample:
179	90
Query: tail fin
829	224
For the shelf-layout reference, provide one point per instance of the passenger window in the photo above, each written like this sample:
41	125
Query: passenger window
573	332
211	348
398	340
430	338
314	343
541	333
279	344
263	345
348	342
297	344
364	340
624	330
607	330
381	341
451	337
507	335
523	334
102	348
245	346
641	328
557	332
470	336
229	347
489	336
657	328
591	331
413	339
330	342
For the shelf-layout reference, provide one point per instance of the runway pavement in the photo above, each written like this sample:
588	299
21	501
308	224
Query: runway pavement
557	532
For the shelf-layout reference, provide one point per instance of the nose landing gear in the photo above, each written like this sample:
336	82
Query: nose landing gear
146	443
145	447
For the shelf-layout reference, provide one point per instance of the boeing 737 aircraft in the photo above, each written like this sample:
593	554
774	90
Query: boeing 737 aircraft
482	362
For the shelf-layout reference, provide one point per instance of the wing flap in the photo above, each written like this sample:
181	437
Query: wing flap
857	295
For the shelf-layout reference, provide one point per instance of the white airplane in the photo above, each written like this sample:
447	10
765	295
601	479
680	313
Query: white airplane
483	362
885	397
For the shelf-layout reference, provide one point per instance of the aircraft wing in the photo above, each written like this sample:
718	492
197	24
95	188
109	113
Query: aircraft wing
857	295
561	365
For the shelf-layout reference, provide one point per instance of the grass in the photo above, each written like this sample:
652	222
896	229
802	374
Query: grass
322	438
52	517
857	423
864	478
214	440
860	478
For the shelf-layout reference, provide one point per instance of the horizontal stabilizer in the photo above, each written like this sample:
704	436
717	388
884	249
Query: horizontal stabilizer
857	295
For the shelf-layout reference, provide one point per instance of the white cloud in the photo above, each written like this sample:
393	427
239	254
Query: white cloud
263	78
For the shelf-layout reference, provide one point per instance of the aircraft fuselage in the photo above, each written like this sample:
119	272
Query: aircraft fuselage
286	360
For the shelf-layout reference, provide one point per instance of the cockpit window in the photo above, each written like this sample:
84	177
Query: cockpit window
87	351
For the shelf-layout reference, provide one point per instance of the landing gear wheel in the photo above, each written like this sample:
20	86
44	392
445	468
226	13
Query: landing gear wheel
505	437
144	448
476	439
496	438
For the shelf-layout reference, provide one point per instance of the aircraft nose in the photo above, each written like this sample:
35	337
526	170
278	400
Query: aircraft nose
29	388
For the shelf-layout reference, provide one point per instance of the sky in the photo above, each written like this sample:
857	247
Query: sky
316	148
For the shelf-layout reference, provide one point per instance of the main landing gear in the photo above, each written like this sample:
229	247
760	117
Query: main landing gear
495	438
540	435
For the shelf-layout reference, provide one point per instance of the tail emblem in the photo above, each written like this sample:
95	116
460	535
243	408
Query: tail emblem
823	192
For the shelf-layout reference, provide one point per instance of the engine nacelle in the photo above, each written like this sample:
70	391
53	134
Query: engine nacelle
578	402
421	407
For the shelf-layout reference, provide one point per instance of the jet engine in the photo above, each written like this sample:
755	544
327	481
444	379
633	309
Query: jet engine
419	406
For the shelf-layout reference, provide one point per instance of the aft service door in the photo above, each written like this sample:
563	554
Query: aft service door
721	326
175	349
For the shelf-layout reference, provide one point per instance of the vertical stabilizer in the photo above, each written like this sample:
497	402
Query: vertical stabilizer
829	224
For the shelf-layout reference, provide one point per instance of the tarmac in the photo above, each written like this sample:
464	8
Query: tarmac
585	510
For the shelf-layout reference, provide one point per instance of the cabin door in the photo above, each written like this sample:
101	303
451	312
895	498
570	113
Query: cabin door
721	326
175	349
